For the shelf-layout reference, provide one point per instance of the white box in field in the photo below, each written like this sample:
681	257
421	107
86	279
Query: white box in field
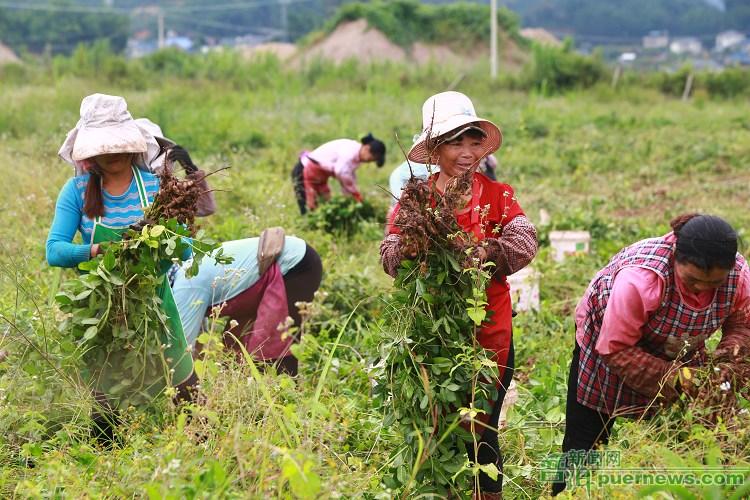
566	243
524	290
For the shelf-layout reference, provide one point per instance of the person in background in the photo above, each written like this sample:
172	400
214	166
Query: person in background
258	291
456	140
644	320
169	153
340	159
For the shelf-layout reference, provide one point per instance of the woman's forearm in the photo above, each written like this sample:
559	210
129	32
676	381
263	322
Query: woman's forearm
515	248
643	372
65	254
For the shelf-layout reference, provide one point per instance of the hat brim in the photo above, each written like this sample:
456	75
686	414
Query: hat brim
492	141
95	141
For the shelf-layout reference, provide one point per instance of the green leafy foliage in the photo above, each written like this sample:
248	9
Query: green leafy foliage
61	31
115	312
557	69
342	215
433	376
619	164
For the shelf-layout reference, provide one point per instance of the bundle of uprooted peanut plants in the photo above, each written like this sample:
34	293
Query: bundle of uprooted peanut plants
115	309
723	394
433	378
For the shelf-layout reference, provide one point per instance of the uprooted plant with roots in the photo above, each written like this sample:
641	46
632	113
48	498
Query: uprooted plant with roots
721	394
434	380
114	308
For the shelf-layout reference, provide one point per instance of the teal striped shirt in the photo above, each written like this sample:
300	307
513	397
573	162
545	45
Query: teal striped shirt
119	212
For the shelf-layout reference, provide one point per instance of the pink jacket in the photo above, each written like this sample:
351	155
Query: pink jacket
338	158
636	294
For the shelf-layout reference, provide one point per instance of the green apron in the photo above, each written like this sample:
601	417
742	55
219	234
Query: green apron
176	354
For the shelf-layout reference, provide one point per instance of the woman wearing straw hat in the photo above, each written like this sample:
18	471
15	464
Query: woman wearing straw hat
101	204
456	140
645	318
340	159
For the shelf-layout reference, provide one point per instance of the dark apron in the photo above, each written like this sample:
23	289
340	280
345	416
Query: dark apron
176	356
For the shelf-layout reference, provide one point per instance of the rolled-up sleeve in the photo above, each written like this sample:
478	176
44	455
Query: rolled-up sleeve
390	254
735	337
515	248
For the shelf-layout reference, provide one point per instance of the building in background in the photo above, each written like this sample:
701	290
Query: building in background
656	40
728	39
686	46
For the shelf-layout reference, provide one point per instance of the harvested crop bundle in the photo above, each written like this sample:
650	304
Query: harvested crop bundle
121	311
435	382
722	393
342	215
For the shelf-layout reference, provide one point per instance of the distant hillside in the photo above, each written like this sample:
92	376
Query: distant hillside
633	18
456	24
60	25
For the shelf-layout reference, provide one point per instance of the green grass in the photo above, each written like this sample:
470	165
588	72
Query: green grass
620	164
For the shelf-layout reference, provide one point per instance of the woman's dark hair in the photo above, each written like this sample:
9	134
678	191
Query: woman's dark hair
706	241
377	148
93	199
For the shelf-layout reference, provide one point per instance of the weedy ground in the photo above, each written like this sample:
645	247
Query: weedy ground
618	164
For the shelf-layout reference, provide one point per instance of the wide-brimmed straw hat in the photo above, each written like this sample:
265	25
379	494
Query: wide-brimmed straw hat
451	112
106	127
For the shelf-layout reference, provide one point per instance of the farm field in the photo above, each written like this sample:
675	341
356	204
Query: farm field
618	164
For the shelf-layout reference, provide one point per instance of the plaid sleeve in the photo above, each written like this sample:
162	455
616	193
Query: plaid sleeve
390	254
516	248
735	337
644	373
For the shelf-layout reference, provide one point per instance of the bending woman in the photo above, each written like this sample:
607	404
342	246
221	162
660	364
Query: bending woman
339	159
647	314
258	294
456	140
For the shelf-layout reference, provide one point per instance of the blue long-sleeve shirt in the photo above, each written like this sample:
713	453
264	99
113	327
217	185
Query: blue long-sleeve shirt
119	212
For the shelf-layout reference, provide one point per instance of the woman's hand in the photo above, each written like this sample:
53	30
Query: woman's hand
480	253
686	382
95	250
180	155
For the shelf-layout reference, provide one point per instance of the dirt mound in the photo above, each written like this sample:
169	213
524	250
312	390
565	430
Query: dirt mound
424	53
541	36
7	56
358	40
283	51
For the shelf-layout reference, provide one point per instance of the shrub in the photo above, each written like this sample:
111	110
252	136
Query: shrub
731	82
556	69
674	83
342	215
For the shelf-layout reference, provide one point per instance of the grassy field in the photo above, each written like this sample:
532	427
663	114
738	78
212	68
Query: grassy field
617	164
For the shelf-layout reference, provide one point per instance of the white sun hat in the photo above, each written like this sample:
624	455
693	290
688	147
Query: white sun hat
106	127
451	112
